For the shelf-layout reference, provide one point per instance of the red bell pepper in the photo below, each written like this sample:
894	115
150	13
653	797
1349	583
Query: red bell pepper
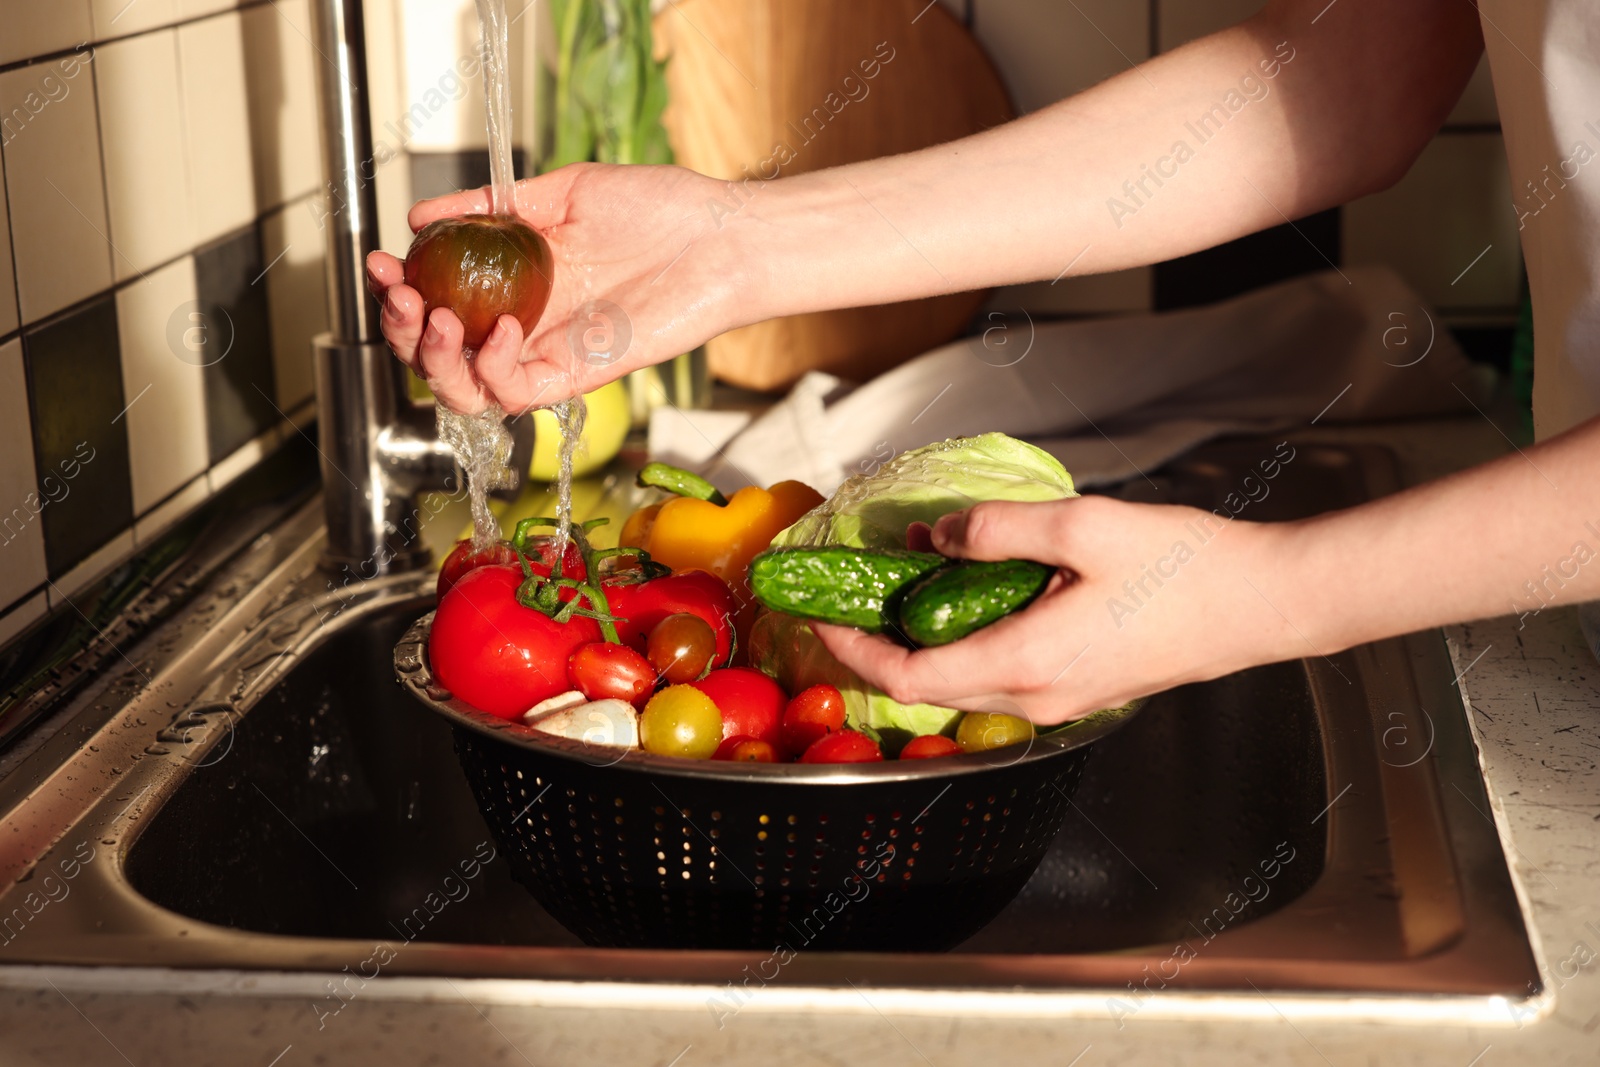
640	606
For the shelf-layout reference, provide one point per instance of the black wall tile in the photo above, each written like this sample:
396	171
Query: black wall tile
1274	255
239	384
437	173
80	440
1487	344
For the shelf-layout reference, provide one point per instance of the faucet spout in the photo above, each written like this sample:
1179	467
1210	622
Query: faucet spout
378	448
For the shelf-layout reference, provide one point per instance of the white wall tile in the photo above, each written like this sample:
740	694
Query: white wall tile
283	103
216	125
1047	50
165	515
296	297
166	417
1181	21
233	466
101	562
1454	203
22	565
52	165
193	8
439	111
1120	291
118	18
141	135
386	91
36	27
8	280
442	111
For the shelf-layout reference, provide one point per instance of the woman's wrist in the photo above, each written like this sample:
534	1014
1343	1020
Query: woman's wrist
756	241
1340	589
1298	614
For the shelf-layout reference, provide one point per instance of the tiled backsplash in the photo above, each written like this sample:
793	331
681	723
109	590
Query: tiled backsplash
160	271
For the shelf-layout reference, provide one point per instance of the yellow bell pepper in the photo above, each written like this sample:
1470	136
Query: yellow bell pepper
636	531
689	534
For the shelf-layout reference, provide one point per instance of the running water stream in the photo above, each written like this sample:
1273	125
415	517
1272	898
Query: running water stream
482	443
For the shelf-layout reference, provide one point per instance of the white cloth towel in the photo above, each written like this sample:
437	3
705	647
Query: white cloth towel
1111	398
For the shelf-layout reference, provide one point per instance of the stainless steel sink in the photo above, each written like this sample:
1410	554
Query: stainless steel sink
271	800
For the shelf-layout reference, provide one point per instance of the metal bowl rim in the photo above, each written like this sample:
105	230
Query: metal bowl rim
414	673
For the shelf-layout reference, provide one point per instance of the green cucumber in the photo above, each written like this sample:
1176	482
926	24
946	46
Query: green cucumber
848	586
964	597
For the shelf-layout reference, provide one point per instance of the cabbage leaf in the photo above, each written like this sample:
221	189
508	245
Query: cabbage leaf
872	511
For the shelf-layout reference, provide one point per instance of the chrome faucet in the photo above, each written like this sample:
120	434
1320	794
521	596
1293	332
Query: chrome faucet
378	448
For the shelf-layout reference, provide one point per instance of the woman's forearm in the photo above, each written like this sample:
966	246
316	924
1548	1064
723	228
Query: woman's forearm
1516	535
1269	120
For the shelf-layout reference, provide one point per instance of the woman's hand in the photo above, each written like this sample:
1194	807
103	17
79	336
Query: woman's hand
638	241
1150	596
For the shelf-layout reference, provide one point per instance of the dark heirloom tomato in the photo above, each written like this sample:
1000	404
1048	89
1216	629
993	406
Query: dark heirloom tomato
681	647
481	267
496	654
641	608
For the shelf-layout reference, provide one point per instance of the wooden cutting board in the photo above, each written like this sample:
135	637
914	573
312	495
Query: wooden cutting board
832	81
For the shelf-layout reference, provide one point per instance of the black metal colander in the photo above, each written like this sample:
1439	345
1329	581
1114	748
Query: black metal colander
642	851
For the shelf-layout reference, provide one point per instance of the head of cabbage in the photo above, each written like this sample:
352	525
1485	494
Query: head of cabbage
872	511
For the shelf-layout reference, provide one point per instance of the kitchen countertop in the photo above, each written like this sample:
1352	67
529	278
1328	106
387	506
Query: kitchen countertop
1532	687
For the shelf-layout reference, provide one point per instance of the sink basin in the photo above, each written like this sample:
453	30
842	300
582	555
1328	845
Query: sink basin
340	802
272	801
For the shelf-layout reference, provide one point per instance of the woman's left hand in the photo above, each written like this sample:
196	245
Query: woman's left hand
1149	596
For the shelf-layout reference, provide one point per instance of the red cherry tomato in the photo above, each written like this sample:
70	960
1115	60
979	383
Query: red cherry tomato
750	702
495	654
743	749
930	746
641	608
681	647
603	671
812	714
843	746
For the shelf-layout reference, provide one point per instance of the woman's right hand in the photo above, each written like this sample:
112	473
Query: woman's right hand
639	251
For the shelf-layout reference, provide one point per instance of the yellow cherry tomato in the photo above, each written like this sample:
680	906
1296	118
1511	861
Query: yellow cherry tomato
983	730
680	721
